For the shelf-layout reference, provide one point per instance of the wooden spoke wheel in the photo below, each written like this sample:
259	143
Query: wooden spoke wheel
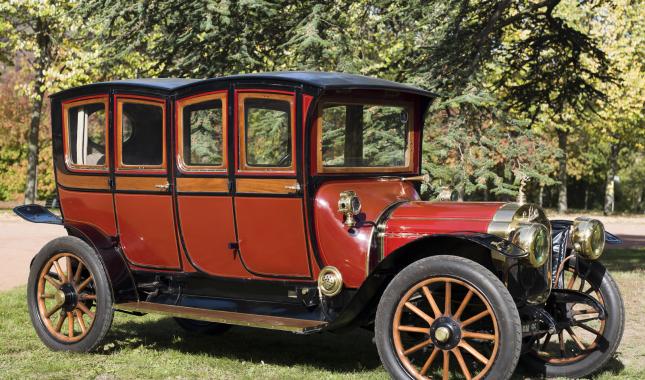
587	342
450	317
66	295
69	297
444	317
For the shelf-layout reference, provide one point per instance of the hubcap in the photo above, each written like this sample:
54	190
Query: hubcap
442	334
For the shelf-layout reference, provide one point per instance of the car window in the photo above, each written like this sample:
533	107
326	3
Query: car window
202	133
86	133
142	134
364	135
268	132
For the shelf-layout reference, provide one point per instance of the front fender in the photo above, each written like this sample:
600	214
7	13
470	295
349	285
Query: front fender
476	247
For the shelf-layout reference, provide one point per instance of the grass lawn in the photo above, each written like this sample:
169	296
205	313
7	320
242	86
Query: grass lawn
154	347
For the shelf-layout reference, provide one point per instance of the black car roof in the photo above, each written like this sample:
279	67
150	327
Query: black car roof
322	80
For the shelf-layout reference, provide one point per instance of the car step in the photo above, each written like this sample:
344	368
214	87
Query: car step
241	319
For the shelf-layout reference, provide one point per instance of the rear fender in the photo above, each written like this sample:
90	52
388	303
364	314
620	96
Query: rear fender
121	279
477	247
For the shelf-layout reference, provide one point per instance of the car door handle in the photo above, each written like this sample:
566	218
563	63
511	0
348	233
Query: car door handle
163	187
294	188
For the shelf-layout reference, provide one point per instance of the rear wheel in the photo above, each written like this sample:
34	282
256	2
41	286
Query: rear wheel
69	296
444	316
586	345
202	327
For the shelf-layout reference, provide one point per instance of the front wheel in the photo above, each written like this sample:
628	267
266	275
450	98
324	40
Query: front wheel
447	314
586	343
69	296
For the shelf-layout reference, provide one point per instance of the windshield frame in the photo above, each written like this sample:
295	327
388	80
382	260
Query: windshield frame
412	136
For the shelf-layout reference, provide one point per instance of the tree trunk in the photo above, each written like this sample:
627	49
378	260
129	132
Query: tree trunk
562	175
42	62
541	196
609	183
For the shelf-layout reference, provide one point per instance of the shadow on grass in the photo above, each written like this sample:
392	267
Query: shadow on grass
349	352
624	259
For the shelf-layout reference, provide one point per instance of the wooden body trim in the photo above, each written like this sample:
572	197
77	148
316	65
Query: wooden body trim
411	143
241	132
179	122
99	182
148	184
66	105
118	120
202	185
267	185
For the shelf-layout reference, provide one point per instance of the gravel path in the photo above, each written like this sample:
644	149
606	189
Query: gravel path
20	241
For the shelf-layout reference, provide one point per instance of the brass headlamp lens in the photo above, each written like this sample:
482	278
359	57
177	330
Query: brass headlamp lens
533	239
588	237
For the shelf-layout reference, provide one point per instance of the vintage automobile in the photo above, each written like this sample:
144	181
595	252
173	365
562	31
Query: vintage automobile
291	201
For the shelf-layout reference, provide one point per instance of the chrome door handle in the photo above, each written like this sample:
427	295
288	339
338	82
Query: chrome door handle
163	187
294	188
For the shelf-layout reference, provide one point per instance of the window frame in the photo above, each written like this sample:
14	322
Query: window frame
243	166
118	120
179	121
66	105
410	150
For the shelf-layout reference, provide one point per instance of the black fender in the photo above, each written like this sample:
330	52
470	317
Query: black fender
475	246
121	280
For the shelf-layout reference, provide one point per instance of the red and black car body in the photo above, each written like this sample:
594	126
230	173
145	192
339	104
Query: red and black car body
244	242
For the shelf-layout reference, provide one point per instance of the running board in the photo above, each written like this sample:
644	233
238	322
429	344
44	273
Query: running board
241	319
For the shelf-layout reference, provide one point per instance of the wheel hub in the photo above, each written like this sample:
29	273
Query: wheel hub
445	333
69	296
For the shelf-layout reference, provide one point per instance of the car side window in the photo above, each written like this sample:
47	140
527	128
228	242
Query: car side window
141	134
86	134
266	132
202	133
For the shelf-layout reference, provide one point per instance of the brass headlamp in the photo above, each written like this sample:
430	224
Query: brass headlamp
534	239
588	237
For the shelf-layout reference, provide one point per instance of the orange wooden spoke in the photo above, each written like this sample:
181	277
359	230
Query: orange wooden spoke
471	350
431	301
447	308
475	335
417	347
52	281
85	296
572	281
585	327
85	310
561	338
69	268
47	295
475	318
420	313
53	310
421	330
77	275
59	324
576	339
546	342
583	312
59	270
81	322
463	305
428	362
462	363
84	283
70	324
446	365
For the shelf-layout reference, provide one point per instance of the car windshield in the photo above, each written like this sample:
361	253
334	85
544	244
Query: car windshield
364	136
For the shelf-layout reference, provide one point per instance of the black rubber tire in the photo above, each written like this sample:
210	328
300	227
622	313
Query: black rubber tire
600	278
202	327
474	274
104	303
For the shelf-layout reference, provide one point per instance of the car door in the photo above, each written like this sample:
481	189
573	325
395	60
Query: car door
142	195
268	201
204	200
